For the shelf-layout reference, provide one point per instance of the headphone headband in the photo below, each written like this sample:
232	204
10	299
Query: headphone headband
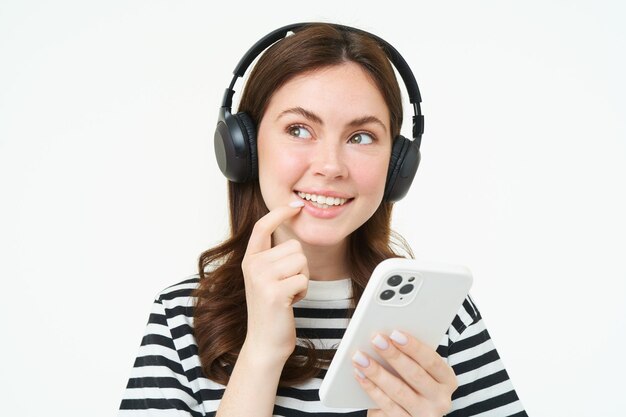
394	56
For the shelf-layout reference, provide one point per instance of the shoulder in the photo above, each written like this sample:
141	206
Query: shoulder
179	294
174	311
484	384
183	288
468	315
173	306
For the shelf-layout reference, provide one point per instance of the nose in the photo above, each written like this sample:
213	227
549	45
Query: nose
329	160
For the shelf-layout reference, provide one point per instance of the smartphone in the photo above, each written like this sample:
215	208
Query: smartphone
416	297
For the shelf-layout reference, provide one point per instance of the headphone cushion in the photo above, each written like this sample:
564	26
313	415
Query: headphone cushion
403	164
248	129
400	144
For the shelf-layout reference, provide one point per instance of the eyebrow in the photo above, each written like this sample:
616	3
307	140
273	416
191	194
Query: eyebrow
317	119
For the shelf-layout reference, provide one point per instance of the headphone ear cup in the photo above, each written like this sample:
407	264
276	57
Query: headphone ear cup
403	164
248	129
235	146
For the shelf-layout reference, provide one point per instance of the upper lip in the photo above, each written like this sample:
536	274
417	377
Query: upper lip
327	193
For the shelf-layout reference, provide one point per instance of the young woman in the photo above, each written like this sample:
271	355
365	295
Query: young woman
310	211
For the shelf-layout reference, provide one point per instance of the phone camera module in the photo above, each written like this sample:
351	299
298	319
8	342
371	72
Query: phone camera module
394	281
387	295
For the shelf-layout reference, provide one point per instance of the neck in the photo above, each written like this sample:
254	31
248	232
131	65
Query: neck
326	263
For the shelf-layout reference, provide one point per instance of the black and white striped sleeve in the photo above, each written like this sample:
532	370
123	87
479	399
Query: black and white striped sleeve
484	385
158	385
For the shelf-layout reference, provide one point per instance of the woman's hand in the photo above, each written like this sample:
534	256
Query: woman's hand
426	384
275	278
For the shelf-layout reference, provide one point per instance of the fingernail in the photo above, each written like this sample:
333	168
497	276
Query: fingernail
398	337
361	359
296	203
380	342
359	373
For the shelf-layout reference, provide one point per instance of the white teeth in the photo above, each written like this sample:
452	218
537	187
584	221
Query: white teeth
322	201
323	206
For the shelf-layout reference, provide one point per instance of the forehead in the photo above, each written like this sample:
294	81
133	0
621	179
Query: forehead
344	90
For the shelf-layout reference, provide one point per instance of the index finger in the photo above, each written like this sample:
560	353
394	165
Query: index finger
261	237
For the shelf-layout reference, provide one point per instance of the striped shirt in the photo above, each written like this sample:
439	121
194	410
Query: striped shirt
167	378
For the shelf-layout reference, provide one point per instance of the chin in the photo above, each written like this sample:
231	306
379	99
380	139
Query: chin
321	242
320	237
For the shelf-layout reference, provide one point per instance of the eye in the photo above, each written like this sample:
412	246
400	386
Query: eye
299	131
362	139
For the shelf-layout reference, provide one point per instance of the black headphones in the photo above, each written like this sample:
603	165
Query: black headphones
235	134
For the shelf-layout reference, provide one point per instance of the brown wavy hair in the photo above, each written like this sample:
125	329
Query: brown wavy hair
220	315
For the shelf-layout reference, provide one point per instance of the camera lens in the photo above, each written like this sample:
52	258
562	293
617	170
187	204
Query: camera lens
387	294
406	289
394	280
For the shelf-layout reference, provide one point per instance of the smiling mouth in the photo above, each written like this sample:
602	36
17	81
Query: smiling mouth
323	202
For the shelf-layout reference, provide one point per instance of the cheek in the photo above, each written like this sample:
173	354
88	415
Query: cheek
276	163
371	177
279	170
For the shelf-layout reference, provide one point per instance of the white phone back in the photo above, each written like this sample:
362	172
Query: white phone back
426	312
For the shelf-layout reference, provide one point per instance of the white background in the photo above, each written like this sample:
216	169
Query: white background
110	190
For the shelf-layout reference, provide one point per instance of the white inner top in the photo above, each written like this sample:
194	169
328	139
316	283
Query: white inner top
340	289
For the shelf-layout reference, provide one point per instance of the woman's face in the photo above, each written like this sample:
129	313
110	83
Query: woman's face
325	139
